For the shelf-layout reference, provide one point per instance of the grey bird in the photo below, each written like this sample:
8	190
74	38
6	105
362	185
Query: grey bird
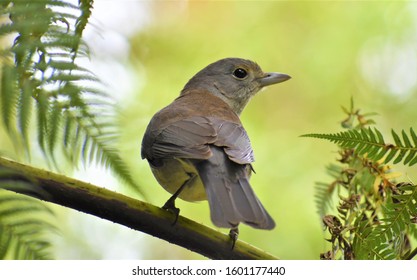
198	149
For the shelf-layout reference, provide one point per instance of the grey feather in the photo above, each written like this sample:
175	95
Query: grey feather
236	141
187	138
231	198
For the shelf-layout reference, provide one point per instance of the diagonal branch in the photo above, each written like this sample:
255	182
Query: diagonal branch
126	211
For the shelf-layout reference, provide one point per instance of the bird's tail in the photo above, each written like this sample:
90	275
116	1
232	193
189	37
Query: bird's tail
231	198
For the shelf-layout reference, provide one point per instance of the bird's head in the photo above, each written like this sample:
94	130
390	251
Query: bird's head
234	80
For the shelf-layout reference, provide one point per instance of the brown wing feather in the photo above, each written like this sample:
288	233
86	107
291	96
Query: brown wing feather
180	130
190	138
235	140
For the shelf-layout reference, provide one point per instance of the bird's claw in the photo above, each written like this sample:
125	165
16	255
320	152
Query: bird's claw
234	234
170	207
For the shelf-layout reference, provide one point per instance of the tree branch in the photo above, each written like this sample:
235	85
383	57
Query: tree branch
124	210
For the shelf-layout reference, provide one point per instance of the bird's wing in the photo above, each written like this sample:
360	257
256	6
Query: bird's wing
235	141
191	137
186	138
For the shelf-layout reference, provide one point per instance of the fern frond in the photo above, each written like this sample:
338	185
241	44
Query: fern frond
25	223
385	239
82	20
54	125
8	95
371	142
324	191
366	248
399	210
42	118
322	197
69	104
24	111
23	226
5	238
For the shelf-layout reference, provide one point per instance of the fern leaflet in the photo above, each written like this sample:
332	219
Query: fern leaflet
371	143
40	73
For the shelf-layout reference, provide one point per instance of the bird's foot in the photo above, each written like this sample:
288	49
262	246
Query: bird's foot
234	234
170	204
170	207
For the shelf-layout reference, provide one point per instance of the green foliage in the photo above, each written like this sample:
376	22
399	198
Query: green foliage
44	89
23	221
324	191
39	72
370	143
375	215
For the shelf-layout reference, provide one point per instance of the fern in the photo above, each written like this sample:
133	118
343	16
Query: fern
324	191
371	143
42	84
398	213
24	221
322	197
8	96
362	246
377	216
386	239
40	73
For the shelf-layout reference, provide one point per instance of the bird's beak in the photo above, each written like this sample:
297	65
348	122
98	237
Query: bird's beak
273	78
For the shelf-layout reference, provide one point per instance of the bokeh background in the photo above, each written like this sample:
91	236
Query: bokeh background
145	51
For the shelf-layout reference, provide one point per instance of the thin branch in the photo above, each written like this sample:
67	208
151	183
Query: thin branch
126	211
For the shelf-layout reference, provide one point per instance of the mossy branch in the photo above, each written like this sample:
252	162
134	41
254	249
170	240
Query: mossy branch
124	210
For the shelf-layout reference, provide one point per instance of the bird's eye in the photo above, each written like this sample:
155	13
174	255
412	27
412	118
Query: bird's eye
240	73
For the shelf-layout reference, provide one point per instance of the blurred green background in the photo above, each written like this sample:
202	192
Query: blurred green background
333	51
146	52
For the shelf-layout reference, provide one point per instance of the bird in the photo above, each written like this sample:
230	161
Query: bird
198	149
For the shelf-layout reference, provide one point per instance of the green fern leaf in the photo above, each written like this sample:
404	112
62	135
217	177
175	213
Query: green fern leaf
24	221
410	157
86	7
398	143
42	112
22	230
24	111
407	142
54	125
324	191
371	142
391	154
8	94
396	221
413	136
360	243
69	105
396	138
5	241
